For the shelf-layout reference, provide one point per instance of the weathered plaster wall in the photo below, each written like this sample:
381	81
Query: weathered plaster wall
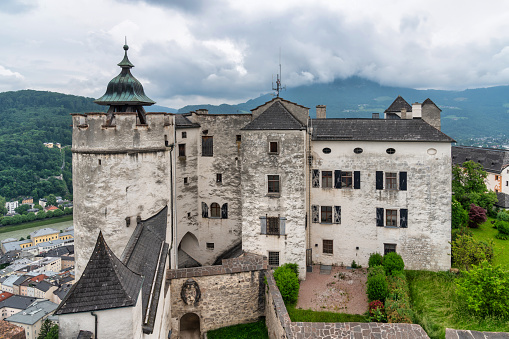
290	165
431	114
203	187
425	243
118	172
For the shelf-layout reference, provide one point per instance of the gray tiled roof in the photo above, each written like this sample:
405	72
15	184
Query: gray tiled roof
17	301
275	117
185	260
503	200
376	130
146	254
398	104
492	160
44	231
105	283
43	286
181	121
35	312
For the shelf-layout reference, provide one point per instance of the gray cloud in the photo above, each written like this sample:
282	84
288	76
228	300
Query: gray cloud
16	6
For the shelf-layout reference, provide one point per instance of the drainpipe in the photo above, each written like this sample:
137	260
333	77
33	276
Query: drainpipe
95	325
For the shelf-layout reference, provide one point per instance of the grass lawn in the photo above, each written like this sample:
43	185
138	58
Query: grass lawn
487	233
54	220
243	331
436	307
328	317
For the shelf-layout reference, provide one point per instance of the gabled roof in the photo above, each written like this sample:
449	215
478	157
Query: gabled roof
376	130
275	117
398	105
492	160
105	283
43	286
430	102
17	301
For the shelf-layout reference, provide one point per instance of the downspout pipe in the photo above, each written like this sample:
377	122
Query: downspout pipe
95	324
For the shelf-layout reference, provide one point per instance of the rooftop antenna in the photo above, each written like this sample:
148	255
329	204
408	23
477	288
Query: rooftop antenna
278	87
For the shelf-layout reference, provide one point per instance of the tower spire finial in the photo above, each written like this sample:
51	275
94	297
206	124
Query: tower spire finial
279	86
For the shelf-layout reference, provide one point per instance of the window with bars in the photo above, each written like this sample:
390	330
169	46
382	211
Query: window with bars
389	248
273	184
215	210
327	246
326	214
346	179
273	225
391	217
273	258
391	181
207	146
182	150
327	179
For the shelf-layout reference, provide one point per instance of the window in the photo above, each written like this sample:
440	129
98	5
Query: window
496	177
273	147
326	216
182	150
273	225
215	210
219	177
391	217
210	245
273	258
326	150
391	181
239	137
328	246
346	179
184	135
273	184
358	150
507	183
207	146
186	181
327	179
390	151
389	248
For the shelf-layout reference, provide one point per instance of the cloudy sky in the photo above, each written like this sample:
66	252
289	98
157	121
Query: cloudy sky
227	51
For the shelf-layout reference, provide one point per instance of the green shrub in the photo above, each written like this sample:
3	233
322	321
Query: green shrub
377	287
376	270
397	305
355	265
293	267
485	290
377	312
393	262
459	216
463	230
466	251
375	259
288	283
503	229
503	215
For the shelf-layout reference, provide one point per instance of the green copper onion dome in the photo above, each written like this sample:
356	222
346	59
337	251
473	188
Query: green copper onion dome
125	89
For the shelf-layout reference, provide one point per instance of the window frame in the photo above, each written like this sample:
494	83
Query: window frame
207	150
272	179
327	180
327	246
391	219
210	245
345	175
273	226
219	177
271	257
215	208
389	248
391	183
270	149
184	135
182	150
324	211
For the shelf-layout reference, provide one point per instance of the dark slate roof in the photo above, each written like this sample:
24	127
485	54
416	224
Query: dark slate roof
376	130
430	102
234	252
43	286
181	121
185	260
56	252
503	200
275	117
17	301
20	280
105	283
146	254
85	335
492	160
398	104
62	291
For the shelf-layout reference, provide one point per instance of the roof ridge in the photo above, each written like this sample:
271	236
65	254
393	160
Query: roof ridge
275	117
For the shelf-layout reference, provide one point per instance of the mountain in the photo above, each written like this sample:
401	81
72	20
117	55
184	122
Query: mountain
470	114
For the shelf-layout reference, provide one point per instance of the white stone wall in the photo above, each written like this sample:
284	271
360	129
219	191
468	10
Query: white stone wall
290	165
505	180
118	172
202	186
425	243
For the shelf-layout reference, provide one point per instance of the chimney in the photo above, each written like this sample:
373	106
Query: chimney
403	113
320	111
202	111
375	115
416	110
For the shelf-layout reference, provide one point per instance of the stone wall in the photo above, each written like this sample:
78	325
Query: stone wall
280	326
232	293
466	334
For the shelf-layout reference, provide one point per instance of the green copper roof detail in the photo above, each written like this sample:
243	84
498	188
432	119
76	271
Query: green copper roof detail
125	89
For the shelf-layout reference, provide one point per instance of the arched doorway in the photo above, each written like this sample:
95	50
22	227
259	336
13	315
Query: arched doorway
190	326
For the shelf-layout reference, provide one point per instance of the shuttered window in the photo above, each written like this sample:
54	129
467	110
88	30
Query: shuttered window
403	218
204	210
402	181
380	217
346	180
224	211
207	146
356	180
379	180
326	214
337	214
391	217
315	213
273	225
337	179
316	178
215	210
326	179
391	181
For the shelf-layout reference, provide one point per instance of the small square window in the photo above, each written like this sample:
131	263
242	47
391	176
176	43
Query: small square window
273	184
327	179
184	135
389	248
391	217
186	181
346	179
239	137
273	258
182	150
273	147
210	245
391	181
219	177
326	216
328	246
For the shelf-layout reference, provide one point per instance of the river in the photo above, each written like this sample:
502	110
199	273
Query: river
23	233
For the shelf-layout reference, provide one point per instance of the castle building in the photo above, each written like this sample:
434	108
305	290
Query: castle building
159	192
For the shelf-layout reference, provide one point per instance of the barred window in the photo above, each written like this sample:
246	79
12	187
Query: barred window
327	179
389	248
207	146
215	210
391	181
326	214
273	225
273	184
328	246
273	258
391	217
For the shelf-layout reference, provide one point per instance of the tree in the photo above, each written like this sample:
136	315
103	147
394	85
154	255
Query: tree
41	215
459	216
466	251
3	210
22	209
48	330
51	200
58	213
477	216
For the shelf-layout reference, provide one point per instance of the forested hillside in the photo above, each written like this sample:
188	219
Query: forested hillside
27	120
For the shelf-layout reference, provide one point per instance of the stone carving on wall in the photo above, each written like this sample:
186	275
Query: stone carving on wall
190	292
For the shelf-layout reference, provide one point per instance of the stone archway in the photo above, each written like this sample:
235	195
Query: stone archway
190	326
